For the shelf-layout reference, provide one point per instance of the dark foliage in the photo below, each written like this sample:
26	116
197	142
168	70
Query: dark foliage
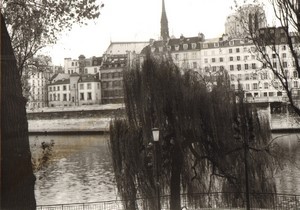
203	135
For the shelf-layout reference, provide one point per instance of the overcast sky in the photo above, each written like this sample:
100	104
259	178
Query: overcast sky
139	20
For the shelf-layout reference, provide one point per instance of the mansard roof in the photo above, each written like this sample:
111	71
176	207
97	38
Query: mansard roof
89	78
121	48
61	82
114	61
194	43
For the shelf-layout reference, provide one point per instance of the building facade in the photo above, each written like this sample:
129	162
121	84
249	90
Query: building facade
74	90
71	66
37	84
118	56
89	90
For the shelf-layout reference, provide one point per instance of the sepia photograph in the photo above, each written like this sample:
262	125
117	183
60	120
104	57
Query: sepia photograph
150	105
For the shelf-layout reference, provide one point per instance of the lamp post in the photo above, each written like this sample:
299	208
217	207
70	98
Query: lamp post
155	134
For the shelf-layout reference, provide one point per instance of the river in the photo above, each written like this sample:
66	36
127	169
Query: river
81	170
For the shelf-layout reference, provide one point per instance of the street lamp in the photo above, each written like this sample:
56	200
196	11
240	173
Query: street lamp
155	134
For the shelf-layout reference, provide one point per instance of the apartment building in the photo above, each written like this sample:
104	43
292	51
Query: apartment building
117	57
71	66
59	93
74	90
82	65
89	91
239	58
37	93
112	78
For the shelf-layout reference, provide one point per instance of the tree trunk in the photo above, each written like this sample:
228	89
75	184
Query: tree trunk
17	178
177	161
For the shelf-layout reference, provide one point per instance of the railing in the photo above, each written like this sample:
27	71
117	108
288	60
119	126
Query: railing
218	200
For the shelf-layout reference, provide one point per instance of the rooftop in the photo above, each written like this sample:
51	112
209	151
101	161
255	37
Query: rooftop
124	47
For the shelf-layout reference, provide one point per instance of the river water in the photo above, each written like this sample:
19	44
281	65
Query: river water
80	169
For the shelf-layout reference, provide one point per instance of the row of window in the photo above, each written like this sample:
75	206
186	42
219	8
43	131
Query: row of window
38	90
86	71
112	84
262	76
239	66
265	85
56	97
87	86
194	55
264	94
205	46
67	97
113	65
37	104
67	87
74	63
251	76
255	86
57	88
88	96
112	75
37	98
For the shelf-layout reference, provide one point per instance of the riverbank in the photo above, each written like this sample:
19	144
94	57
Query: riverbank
83	119
86	125
76	108
96	118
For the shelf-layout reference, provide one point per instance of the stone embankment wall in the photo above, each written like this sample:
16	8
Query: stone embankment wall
73	120
75	114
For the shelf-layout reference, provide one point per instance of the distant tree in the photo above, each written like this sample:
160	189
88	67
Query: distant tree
204	135
31	24
34	24
272	43
35	65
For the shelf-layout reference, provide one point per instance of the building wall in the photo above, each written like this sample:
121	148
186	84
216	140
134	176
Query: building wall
37	93
74	89
241	61
91	69
89	93
71	66
59	94
112	78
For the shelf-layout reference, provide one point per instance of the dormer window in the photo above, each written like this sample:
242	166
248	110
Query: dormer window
185	46
231	43
177	47
194	45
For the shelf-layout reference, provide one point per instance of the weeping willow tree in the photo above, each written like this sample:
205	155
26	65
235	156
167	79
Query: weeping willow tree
205	131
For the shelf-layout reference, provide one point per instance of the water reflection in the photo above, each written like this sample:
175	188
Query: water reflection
288	177
80	171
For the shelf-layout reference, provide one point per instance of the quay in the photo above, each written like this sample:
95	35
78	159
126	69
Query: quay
67	120
96	119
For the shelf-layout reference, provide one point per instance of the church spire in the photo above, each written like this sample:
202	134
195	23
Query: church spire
164	28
